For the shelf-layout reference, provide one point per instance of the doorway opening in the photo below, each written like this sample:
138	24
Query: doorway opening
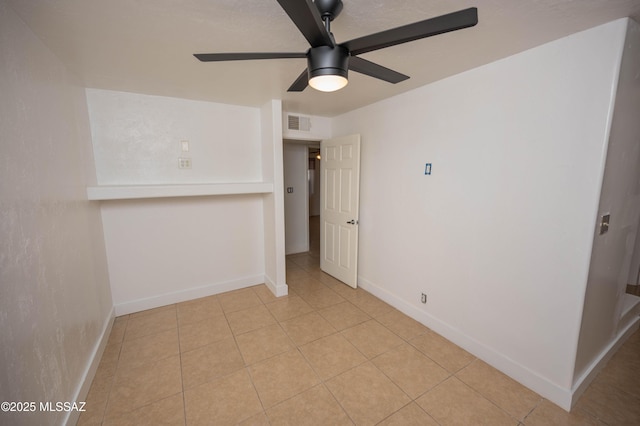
338	185
302	197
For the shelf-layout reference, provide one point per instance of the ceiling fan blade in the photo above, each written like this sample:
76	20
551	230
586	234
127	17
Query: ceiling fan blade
427	28
305	15
301	82
374	70
216	57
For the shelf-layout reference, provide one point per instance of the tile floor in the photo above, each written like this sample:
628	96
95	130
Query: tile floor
324	355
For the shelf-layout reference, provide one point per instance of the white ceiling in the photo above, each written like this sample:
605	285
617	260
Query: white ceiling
146	46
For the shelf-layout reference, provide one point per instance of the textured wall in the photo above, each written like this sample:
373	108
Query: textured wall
137	139
54	292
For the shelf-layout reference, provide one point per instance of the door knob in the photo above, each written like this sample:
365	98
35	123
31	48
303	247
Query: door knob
352	222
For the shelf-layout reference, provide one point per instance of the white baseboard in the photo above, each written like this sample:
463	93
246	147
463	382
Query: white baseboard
277	290
549	390
186	294
90	371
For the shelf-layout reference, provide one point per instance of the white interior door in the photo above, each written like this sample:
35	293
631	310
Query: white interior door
340	207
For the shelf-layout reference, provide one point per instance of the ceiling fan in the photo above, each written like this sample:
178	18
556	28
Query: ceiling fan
328	61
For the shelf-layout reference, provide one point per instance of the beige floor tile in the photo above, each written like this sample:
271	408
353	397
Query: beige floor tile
152	311
290	307
238	300
370	304
372	338
118	330
210	362
121	319
109	361
446	354
454	403
250	319
265	295
610	404
198	310
145	388
226	401
306	261
344	315
410	369
402	325
623	370
549	414
144	350
205	332
295	272
633	342
366	394
338	286
150	324
506	393
332	355
281	377
138	387
307	328
168	411
315	406
305	284
410	415
322	298
259	419
263	343
96	401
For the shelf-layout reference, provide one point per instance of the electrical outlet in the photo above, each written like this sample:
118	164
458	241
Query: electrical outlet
423	298
184	163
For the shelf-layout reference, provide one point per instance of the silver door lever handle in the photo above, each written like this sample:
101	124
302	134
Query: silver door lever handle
352	222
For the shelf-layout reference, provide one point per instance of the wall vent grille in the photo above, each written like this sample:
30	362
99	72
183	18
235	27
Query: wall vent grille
297	122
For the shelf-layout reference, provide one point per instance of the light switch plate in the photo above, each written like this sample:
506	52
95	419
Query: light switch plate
604	223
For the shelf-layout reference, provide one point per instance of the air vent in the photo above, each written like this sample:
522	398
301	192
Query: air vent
296	122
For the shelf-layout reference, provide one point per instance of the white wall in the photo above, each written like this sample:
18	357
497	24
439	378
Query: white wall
168	250
273	210
137	139
162	251
499	236
55	303
296	203
620	197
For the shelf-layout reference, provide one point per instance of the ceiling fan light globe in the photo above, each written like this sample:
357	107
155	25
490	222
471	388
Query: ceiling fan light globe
328	82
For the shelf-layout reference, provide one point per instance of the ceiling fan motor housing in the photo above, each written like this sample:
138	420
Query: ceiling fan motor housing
328	8
327	60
